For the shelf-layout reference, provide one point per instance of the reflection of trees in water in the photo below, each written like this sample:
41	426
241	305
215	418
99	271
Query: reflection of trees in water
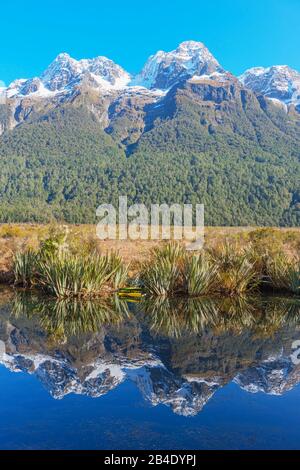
275	314
63	318
176	317
163	316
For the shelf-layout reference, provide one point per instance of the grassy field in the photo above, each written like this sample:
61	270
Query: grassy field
16	238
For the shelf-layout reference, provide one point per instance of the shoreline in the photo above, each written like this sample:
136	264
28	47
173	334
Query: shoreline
234	261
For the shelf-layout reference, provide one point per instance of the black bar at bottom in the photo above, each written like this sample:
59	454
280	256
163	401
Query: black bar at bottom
134	459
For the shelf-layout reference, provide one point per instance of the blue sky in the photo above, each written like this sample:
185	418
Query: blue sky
240	33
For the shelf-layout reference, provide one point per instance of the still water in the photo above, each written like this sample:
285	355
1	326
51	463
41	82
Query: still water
184	374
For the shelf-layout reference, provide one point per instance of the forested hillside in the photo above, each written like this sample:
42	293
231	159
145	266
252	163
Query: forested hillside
204	141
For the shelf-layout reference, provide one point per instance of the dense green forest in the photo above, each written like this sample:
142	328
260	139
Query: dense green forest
240	158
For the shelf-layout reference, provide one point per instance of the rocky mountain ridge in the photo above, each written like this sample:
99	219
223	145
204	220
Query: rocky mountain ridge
183	130
161	71
96	364
279	83
109	86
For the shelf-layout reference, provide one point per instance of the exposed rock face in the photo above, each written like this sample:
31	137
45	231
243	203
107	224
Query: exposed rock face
181	373
128	114
220	141
164	69
275	376
279	83
126	106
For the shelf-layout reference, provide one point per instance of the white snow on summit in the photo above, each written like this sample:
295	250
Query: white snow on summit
65	71
279	83
190	61
163	69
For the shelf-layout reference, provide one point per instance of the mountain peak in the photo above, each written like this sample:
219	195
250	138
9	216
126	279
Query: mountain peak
191	60
164	69
63	56
65	71
278	82
63	59
60	72
280	69
191	45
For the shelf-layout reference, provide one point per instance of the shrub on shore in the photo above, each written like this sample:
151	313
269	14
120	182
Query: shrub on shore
24	266
71	276
236	272
200	275
226	270
162	275
283	274
65	275
160	278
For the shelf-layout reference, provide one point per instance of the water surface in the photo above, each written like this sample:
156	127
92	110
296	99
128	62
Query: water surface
209	374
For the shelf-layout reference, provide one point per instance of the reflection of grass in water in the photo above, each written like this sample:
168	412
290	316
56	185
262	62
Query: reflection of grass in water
236	315
277	312
165	316
65	318
177	317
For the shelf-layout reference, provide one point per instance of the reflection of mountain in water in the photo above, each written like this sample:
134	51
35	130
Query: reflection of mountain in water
181	372
275	376
157	384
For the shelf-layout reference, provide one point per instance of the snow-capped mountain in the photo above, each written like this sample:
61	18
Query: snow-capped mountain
274	376
165	69
107	90
190	61
162	70
64	73
116	98
156	383
97	364
279	83
186	396
2	94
